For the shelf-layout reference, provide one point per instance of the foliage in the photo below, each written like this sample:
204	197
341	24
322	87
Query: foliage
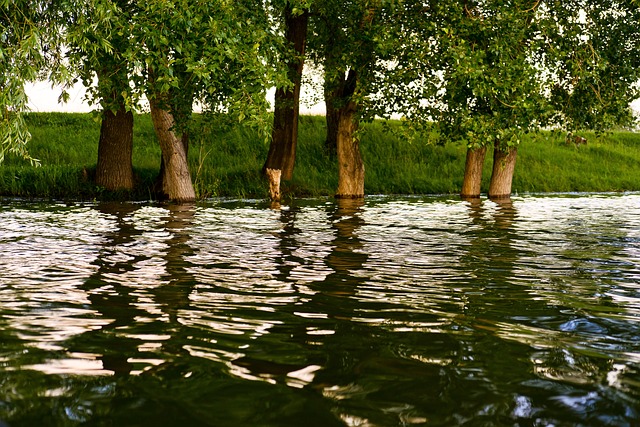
595	62
352	43
215	54
98	37
20	60
480	70
489	70
32	46
490	86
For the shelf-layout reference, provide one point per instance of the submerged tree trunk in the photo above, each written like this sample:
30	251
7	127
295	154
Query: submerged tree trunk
162	175
350	164
473	172
282	151
114	170
176	182
340	87
274	175
504	163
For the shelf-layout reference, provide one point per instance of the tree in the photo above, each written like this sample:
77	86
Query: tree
215	53
476	81
35	35
173	52
114	169
487	72
282	150
350	43
28	45
493	92
113	78
595	62
105	71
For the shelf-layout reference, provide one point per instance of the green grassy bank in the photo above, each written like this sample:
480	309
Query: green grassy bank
226	162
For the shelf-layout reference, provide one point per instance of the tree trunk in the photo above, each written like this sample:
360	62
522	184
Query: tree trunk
473	172
282	150
334	84
350	164
176	183
332	93
504	163
114	169
274	175
339	90
162	175
332	116
181	110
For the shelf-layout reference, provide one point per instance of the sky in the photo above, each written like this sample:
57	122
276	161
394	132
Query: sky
43	98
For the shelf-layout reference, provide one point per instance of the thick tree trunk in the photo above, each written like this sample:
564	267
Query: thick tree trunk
162	175
473	173
332	117
181	110
350	163
333	92
176	182
115	147
282	151
504	163
339	90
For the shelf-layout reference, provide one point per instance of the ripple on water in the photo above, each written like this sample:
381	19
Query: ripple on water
391	311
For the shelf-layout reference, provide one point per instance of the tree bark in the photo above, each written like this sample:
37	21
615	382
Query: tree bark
162	175
333	88
472	180
176	182
339	90
114	170
284	139
350	164
504	163
332	117
274	176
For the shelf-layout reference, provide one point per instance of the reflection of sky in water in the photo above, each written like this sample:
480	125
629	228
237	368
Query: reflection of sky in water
557	275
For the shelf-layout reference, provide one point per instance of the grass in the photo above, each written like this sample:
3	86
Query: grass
226	161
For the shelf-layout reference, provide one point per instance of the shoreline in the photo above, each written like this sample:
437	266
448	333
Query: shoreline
225	161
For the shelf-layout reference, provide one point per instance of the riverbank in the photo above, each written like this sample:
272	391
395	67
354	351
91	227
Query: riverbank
226	162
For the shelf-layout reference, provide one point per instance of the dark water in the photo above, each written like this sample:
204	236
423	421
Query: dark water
391	312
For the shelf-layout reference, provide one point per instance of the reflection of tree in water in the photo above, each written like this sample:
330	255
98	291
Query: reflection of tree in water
127	303
110	296
336	327
287	260
350	342
490	256
482	363
366	375
345	260
332	302
342	333
145	329
512	360
494	359
328	309
173	294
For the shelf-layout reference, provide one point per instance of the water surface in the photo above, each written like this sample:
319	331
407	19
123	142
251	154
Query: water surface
391	311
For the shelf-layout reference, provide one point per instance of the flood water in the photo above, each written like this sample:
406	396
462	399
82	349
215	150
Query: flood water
388	312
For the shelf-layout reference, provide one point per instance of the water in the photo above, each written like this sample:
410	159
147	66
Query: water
388	312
